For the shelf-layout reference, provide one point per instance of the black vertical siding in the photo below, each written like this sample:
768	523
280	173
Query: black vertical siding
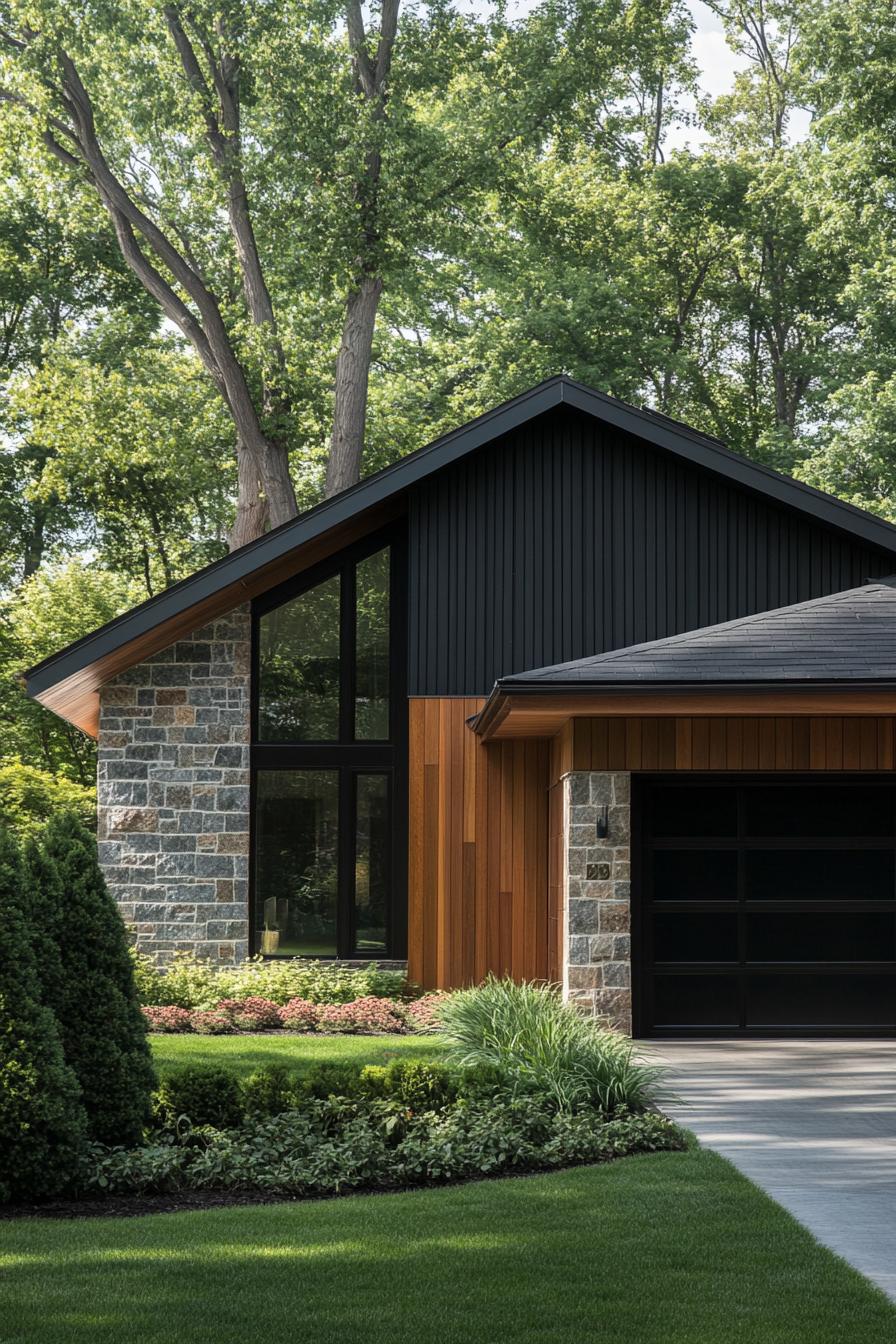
566	539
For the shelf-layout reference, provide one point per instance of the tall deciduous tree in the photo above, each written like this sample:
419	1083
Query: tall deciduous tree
340	154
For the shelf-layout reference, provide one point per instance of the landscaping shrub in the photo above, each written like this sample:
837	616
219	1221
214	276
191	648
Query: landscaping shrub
423	1014
365	1016
333	1146
102	1029
29	797
332	1078
209	1022
545	1045
414	1082
42	1122
190	982
205	1094
252	1014
150	981
271	1090
299	1015
168	1018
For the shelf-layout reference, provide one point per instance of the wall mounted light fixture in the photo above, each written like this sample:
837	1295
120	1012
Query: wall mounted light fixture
602	826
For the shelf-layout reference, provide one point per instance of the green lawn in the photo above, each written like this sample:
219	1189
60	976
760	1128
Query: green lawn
672	1248
245	1053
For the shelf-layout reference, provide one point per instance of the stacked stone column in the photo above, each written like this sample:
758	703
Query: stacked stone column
173	793
597	939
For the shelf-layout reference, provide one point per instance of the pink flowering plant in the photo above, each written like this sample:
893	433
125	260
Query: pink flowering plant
367	1016
167	1018
423	1014
299	1015
209	1022
251	1014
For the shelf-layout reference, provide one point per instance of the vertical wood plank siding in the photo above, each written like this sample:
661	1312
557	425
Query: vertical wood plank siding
765	743
567	539
477	850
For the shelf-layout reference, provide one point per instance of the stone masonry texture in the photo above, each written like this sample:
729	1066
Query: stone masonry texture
597	939
173	793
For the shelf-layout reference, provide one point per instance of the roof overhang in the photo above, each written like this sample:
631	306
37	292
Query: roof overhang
527	712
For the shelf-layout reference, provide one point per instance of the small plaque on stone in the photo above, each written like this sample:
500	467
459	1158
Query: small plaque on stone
597	872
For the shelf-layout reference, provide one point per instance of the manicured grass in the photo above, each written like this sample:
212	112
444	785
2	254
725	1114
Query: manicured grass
672	1248
245	1053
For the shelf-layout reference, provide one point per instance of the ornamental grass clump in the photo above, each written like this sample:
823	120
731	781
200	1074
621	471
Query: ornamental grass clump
545	1046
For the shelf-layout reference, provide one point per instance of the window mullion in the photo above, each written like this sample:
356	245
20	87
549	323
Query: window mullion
347	645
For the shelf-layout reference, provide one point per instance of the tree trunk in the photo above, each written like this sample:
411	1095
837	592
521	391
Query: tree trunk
352	375
251	515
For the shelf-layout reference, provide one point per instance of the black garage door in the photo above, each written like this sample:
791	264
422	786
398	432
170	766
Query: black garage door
765	907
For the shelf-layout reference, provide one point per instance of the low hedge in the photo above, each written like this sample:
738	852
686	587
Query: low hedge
336	1145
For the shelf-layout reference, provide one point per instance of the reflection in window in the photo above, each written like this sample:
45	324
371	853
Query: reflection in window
296	878
372	648
372	850
298	667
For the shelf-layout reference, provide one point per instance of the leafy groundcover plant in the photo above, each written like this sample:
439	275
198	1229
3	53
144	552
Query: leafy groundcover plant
192	983
345	1129
547	1046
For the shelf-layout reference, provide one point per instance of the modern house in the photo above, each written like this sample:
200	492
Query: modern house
333	742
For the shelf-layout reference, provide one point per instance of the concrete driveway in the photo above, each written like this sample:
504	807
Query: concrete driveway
811	1122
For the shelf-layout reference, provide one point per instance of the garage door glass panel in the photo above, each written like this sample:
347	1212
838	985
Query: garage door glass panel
795	937
684	811
845	810
694	937
696	1001
695	875
821	1001
819	875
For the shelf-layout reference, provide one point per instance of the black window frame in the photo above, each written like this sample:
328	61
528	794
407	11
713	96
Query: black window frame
349	756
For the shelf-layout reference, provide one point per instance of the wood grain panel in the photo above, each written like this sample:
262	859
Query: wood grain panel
478	891
761	742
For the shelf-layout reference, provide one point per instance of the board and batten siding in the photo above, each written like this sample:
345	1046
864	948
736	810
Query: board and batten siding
566	539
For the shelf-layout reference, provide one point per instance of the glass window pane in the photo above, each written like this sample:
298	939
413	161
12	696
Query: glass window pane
695	1001
296	833
800	810
372	648
372	851
692	937
693	810
695	875
812	936
298	668
821	1000
819	875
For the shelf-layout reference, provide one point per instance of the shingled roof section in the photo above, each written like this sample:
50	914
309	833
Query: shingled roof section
849	636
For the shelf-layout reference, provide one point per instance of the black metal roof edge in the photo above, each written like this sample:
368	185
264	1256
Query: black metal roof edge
312	523
390	481
648	684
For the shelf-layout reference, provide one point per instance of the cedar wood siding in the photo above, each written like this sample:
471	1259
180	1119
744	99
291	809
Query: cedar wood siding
561	539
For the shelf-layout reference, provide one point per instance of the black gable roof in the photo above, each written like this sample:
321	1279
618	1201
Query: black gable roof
68	680
846	637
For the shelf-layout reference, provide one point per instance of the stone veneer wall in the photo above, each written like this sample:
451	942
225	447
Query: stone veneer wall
173	793
597	937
